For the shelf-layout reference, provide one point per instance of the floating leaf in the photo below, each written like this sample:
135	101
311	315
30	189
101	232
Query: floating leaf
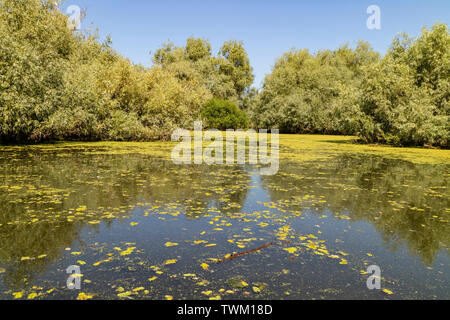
18	295
205	266
387	291
291	250
83	296
170	244
124	294
170	261
32	295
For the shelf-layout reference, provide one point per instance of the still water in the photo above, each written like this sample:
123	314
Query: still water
140	227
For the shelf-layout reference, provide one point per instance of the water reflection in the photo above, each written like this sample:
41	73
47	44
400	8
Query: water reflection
407	203
49	198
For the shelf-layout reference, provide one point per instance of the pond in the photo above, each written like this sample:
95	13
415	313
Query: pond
140	227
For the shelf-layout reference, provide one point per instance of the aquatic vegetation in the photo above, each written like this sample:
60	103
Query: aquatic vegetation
140	227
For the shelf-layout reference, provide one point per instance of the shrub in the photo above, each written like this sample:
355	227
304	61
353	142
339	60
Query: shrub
223	114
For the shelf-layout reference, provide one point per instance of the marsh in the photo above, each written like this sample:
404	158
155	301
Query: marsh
141	227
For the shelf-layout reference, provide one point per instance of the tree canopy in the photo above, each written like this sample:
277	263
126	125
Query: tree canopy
401	98
60	84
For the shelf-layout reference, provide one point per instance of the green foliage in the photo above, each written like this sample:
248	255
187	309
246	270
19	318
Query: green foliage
308	93
56	84
400	99
228	75
59	84
223	115
405	96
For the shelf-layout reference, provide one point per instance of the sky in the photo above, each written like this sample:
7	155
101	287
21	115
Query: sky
267	28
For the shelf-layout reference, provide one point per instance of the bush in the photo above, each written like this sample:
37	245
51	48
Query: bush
126	127
223	114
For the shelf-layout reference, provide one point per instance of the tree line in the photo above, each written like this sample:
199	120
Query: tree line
57	84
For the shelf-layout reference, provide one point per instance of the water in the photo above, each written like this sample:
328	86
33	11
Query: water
140	227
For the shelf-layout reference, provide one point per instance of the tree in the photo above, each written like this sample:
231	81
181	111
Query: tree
223	115
227	75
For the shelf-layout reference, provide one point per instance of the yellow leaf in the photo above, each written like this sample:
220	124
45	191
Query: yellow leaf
100	262
290	250
124	294
205	266
387	291
18	295
169	297
170	261
128	251
84	296
32	295
152	278
171	244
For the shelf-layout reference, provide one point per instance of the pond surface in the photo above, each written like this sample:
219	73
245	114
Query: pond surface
140	227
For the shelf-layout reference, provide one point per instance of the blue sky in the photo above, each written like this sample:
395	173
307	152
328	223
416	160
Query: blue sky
267	28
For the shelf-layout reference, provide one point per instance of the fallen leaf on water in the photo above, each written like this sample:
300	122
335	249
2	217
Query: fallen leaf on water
124	294
170	244
32	296
387	291
205	266
84	296
290	250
